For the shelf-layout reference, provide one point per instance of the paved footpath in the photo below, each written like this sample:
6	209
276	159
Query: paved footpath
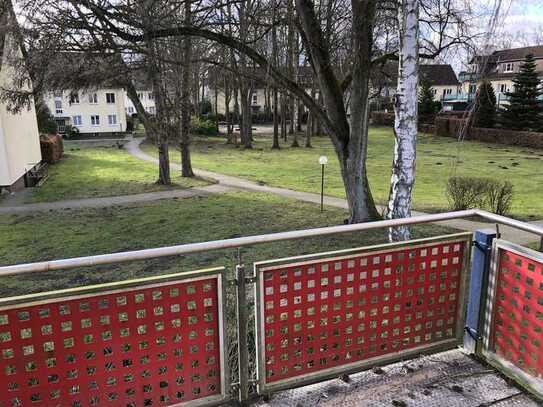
115	200
508	233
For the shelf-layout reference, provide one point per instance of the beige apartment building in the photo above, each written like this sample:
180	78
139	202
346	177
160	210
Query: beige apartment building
19	136
499	68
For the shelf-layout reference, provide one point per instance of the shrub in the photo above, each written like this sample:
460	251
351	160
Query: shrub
71	132
485	103
466	192
500	197
130	123
46	121
473	192
202	127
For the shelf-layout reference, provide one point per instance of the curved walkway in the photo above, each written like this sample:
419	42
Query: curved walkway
114	200
514	235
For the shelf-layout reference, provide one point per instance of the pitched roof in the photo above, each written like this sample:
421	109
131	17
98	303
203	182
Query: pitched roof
438	75
515	54
511	54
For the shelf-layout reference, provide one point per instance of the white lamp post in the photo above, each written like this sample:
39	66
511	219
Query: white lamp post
323	160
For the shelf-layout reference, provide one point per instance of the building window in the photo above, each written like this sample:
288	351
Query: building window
112	119
77	121
151	96
255	99
58	106
472	88
140	96
74	98
93	99
447	92
503	88
95	120
508	67
130	109
110	98
152	110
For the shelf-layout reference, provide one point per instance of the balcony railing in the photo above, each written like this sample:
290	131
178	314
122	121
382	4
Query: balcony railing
162	340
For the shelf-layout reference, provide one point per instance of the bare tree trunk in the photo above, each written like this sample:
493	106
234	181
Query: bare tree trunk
283	118
246	118
184	143
227	116
309	130
275	55
236	110
164	177
300	113
319	121
275	119
405	123
350	140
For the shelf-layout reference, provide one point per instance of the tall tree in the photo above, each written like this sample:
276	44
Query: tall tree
428	107
184	139
525	109
485	106
405	123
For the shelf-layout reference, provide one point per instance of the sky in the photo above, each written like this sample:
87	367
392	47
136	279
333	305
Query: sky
522	19
520	24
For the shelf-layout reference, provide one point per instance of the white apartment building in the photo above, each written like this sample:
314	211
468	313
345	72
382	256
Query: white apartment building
97	111
19	137
147	99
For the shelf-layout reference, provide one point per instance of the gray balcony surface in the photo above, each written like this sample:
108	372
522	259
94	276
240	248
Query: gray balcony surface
446	379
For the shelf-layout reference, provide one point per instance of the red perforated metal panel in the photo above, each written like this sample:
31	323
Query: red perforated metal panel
153	345
317	315
517	328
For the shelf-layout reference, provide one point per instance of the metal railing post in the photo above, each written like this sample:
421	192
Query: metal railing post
243	363
478	288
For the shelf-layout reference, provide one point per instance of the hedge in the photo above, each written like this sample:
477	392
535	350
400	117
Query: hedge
52	148
451	127
382	118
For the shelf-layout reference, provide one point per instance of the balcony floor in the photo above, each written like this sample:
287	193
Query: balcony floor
446	379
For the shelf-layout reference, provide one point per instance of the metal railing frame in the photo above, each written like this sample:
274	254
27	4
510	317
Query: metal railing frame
511	370
123	257
275	266
241	277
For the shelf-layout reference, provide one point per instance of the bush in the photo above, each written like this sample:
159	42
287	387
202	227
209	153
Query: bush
130	123
71	132
46	121
202	127
473	192
500	197
52	148
466	192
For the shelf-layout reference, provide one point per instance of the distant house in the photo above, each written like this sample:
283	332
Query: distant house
147	99
262	92
19	136
93	112
500	67
441	77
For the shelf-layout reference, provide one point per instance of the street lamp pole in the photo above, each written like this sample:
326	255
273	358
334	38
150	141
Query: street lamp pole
323	160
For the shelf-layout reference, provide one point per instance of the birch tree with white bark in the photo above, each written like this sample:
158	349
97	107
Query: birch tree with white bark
406	115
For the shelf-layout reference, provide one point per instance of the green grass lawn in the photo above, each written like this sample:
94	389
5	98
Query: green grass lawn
87	172
438	159
65	234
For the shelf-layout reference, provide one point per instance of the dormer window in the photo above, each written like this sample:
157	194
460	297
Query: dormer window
508	67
